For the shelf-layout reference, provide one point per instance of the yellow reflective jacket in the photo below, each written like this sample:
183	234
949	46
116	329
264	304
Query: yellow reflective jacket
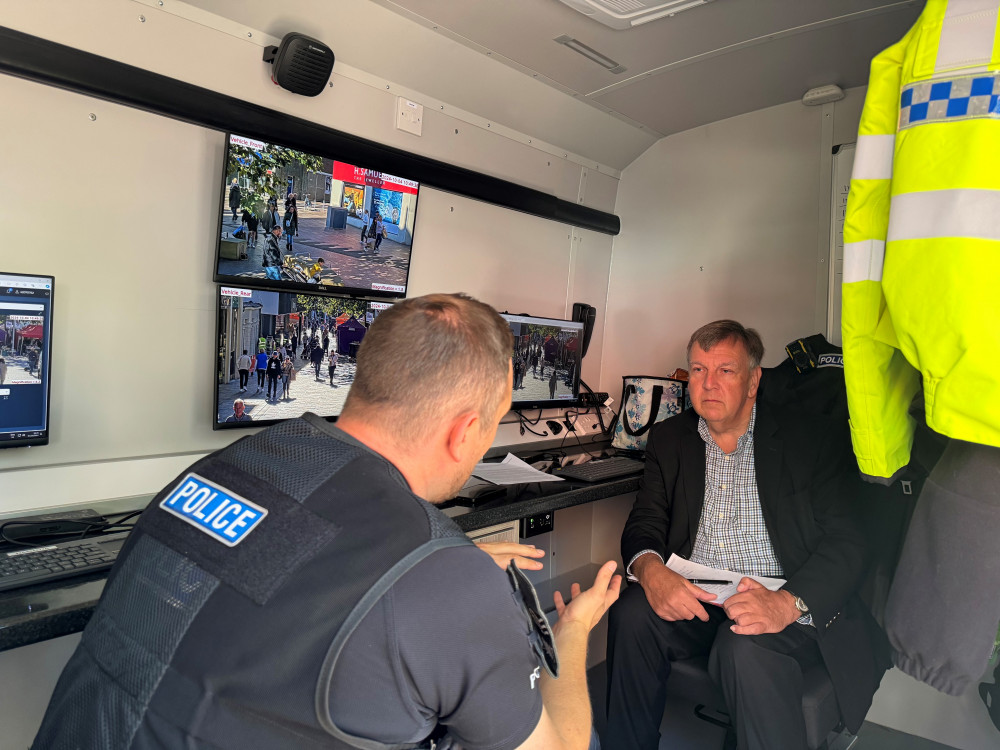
921	290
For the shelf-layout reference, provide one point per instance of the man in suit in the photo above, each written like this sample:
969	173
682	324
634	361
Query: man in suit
742	486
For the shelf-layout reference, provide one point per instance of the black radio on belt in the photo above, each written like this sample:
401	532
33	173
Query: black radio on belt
802	355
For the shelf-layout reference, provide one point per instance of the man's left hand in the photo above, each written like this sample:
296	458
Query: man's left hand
522	554
757	610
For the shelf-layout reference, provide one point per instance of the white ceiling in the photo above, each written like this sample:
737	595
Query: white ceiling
498	59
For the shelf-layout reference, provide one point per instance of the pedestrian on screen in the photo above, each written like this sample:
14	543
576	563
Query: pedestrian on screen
317	359
261	368
239	412
273	374
272	254
243	365
332	365
379	232
235	197
290	225
287	373
365	218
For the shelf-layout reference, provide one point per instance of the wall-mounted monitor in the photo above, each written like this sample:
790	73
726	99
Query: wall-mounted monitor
546	361
265	336
345	228
25	358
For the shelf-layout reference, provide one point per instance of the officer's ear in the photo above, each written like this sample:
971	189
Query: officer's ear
460	437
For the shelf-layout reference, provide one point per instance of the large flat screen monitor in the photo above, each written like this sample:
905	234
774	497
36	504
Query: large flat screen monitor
546	361
307	330
350	233
25	358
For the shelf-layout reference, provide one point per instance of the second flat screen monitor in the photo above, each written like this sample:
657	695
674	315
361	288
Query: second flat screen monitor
251	387
344	228
546	361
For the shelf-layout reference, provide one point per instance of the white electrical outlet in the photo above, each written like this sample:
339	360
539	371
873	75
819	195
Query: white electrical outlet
409	116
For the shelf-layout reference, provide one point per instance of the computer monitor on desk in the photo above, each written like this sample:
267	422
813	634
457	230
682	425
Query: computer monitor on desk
546	360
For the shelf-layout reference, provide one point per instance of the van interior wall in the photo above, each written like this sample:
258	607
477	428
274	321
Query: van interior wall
122	207
727	220
731	220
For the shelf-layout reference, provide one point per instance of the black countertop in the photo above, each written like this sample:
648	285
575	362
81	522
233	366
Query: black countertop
38	613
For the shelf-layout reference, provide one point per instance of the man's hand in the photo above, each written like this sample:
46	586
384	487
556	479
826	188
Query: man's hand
757	610
503	552
671	596
588	607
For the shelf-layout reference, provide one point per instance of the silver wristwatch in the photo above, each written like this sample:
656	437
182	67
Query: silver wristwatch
799	604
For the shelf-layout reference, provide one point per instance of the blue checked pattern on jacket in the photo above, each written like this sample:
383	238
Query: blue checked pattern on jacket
960	98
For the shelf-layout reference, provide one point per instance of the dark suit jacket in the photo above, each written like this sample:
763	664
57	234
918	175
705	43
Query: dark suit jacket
805	484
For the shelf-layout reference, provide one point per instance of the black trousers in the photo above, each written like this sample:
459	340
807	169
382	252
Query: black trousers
760	675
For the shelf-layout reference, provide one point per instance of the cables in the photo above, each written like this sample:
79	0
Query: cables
576	414
86	527
526	424
600	417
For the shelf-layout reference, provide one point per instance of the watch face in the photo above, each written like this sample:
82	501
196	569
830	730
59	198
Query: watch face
801	605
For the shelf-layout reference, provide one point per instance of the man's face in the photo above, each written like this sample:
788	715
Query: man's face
482	437
721	384
239	407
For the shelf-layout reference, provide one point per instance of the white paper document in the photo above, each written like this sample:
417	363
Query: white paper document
512	470
723	591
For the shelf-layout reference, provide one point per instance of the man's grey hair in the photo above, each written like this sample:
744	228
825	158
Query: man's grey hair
728	330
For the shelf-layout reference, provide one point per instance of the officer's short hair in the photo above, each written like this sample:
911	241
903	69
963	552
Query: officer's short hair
728	330
430	357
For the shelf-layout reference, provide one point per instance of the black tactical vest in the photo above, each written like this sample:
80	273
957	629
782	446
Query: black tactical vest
199	642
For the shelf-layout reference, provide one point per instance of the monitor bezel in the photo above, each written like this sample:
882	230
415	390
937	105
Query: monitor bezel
45	438
557	403
318	290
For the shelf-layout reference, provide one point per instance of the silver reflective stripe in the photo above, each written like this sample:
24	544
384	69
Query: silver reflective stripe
945	213
863	260
873	157
967	35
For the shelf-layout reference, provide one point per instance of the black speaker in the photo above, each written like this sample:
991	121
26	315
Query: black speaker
300	64
584	313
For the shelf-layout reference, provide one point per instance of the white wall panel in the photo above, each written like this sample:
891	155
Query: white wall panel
122	210
719	221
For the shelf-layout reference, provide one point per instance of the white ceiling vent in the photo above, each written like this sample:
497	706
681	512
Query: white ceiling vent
624	14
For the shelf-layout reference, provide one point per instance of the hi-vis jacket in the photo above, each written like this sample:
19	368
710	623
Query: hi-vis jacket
921	291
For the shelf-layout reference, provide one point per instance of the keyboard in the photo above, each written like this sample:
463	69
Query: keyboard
602	468
26	566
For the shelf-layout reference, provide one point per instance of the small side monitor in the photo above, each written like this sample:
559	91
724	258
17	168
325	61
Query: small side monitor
25	358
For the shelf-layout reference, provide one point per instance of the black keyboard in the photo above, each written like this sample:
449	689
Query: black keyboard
602	468
26	566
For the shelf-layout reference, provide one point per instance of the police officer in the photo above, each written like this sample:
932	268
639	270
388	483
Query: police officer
298	589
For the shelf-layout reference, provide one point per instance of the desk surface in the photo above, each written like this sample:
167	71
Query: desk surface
38	613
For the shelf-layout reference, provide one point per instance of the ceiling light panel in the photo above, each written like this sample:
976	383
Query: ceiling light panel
624	14
590	53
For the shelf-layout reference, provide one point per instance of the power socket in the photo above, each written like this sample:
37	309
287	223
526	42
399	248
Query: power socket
543	523
594	399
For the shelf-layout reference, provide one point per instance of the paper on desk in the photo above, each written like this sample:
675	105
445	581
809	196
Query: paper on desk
512	470
689	569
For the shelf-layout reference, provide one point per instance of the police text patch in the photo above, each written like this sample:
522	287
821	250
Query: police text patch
220	513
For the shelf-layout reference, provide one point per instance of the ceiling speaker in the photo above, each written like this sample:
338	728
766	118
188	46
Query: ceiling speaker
300	64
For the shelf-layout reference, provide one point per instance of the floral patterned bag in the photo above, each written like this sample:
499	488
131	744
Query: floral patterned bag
646	400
